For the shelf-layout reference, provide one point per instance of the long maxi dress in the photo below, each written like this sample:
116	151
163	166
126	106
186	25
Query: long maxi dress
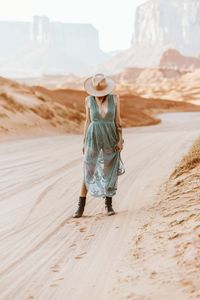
102	164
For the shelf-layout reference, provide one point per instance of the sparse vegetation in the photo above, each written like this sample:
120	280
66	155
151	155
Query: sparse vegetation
190	161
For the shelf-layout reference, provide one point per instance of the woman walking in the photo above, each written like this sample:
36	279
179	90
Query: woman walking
102	143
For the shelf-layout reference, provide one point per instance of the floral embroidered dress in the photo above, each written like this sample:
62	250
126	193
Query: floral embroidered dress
102	163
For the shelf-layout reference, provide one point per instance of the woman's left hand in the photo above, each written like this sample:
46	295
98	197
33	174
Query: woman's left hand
119	146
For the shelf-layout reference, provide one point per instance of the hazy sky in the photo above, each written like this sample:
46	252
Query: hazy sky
113	18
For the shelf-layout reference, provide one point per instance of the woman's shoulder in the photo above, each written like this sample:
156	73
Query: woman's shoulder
87	101
116	98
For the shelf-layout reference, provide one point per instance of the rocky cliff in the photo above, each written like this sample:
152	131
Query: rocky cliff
173	59
173	22
160	25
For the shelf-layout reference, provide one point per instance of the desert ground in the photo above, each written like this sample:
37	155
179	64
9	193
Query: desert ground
138	254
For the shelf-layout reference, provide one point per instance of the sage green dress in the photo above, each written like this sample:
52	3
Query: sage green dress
102	164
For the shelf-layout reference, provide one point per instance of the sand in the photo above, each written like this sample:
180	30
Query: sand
38	111
46	254
135	110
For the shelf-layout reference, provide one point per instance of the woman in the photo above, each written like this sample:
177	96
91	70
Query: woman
102	143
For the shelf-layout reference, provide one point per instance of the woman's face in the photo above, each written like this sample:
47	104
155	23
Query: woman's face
101	97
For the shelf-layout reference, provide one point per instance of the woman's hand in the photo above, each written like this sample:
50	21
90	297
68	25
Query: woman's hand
119	146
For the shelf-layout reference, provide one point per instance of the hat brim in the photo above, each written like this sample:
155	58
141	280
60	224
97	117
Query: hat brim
93	92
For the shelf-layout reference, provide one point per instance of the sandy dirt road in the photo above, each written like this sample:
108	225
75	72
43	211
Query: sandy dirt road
45	253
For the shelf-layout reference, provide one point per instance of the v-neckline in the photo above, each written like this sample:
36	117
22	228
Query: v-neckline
99	110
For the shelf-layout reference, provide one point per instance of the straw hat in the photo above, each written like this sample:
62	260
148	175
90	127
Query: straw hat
99	85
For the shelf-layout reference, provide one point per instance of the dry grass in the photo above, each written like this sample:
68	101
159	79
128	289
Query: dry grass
190	161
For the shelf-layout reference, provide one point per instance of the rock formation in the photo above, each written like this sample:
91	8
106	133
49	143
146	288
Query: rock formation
173	59
14	36
172	22
160	25
45	47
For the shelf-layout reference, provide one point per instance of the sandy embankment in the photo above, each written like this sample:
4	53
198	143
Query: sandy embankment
167	246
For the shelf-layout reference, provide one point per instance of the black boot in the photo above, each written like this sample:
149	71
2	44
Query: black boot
108	206
81	205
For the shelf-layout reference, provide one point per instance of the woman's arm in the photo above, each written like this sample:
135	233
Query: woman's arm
118	122
87	119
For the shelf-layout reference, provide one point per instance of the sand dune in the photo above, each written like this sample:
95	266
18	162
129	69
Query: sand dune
35	110
55	81
162	83
45	254
24	111
135	110
175	77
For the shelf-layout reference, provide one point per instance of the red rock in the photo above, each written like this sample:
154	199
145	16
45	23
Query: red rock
173	59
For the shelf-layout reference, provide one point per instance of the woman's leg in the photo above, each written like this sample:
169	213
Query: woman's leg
110	167
84	191
89	169
81	203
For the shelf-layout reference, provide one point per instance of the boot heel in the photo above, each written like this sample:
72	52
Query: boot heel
108	206
81	205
